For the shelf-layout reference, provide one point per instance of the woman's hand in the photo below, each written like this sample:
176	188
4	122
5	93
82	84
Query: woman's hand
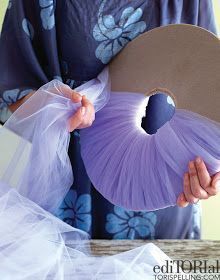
13	107
84	116
198	184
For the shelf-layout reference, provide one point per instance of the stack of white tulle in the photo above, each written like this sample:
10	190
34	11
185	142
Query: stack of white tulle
36	245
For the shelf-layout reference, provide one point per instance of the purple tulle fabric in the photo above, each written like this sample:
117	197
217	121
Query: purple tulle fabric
34	178
140	171
128	166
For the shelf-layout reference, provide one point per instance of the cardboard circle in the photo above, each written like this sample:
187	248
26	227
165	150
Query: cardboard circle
182	58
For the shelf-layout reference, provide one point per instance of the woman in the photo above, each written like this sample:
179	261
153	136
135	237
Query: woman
72	41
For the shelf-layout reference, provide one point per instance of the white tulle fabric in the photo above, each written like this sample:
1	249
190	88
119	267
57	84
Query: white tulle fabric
34	179
41	124
36	245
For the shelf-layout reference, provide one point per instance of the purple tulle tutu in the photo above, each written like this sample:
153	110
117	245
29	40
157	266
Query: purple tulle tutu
128	166
140	171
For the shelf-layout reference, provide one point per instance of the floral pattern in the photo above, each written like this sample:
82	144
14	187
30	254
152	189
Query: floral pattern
196	221
9	4
5	113
114	37
75	210
47	14
28	28
125	224
13	95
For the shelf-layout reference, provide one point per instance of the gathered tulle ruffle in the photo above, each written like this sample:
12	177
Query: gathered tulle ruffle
140	171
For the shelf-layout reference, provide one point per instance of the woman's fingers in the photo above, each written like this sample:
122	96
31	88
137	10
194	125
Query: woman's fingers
203	173
187	196
209	184
181	201
76	119
198	184
84	116
187	181
71	94
89	116
199	179
214	187
75	97
89	108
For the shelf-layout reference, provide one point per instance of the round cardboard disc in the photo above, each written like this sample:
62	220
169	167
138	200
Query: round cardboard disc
182	58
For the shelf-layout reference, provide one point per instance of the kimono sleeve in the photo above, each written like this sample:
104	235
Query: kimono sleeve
28	49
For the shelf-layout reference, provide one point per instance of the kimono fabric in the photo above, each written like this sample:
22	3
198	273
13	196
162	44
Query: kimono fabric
73	41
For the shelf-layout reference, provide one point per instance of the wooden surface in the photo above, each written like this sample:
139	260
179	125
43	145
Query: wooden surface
175	249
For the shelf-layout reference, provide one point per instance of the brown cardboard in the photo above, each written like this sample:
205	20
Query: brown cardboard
183	59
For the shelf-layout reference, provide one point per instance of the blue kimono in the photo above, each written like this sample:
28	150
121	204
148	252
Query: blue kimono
72	40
